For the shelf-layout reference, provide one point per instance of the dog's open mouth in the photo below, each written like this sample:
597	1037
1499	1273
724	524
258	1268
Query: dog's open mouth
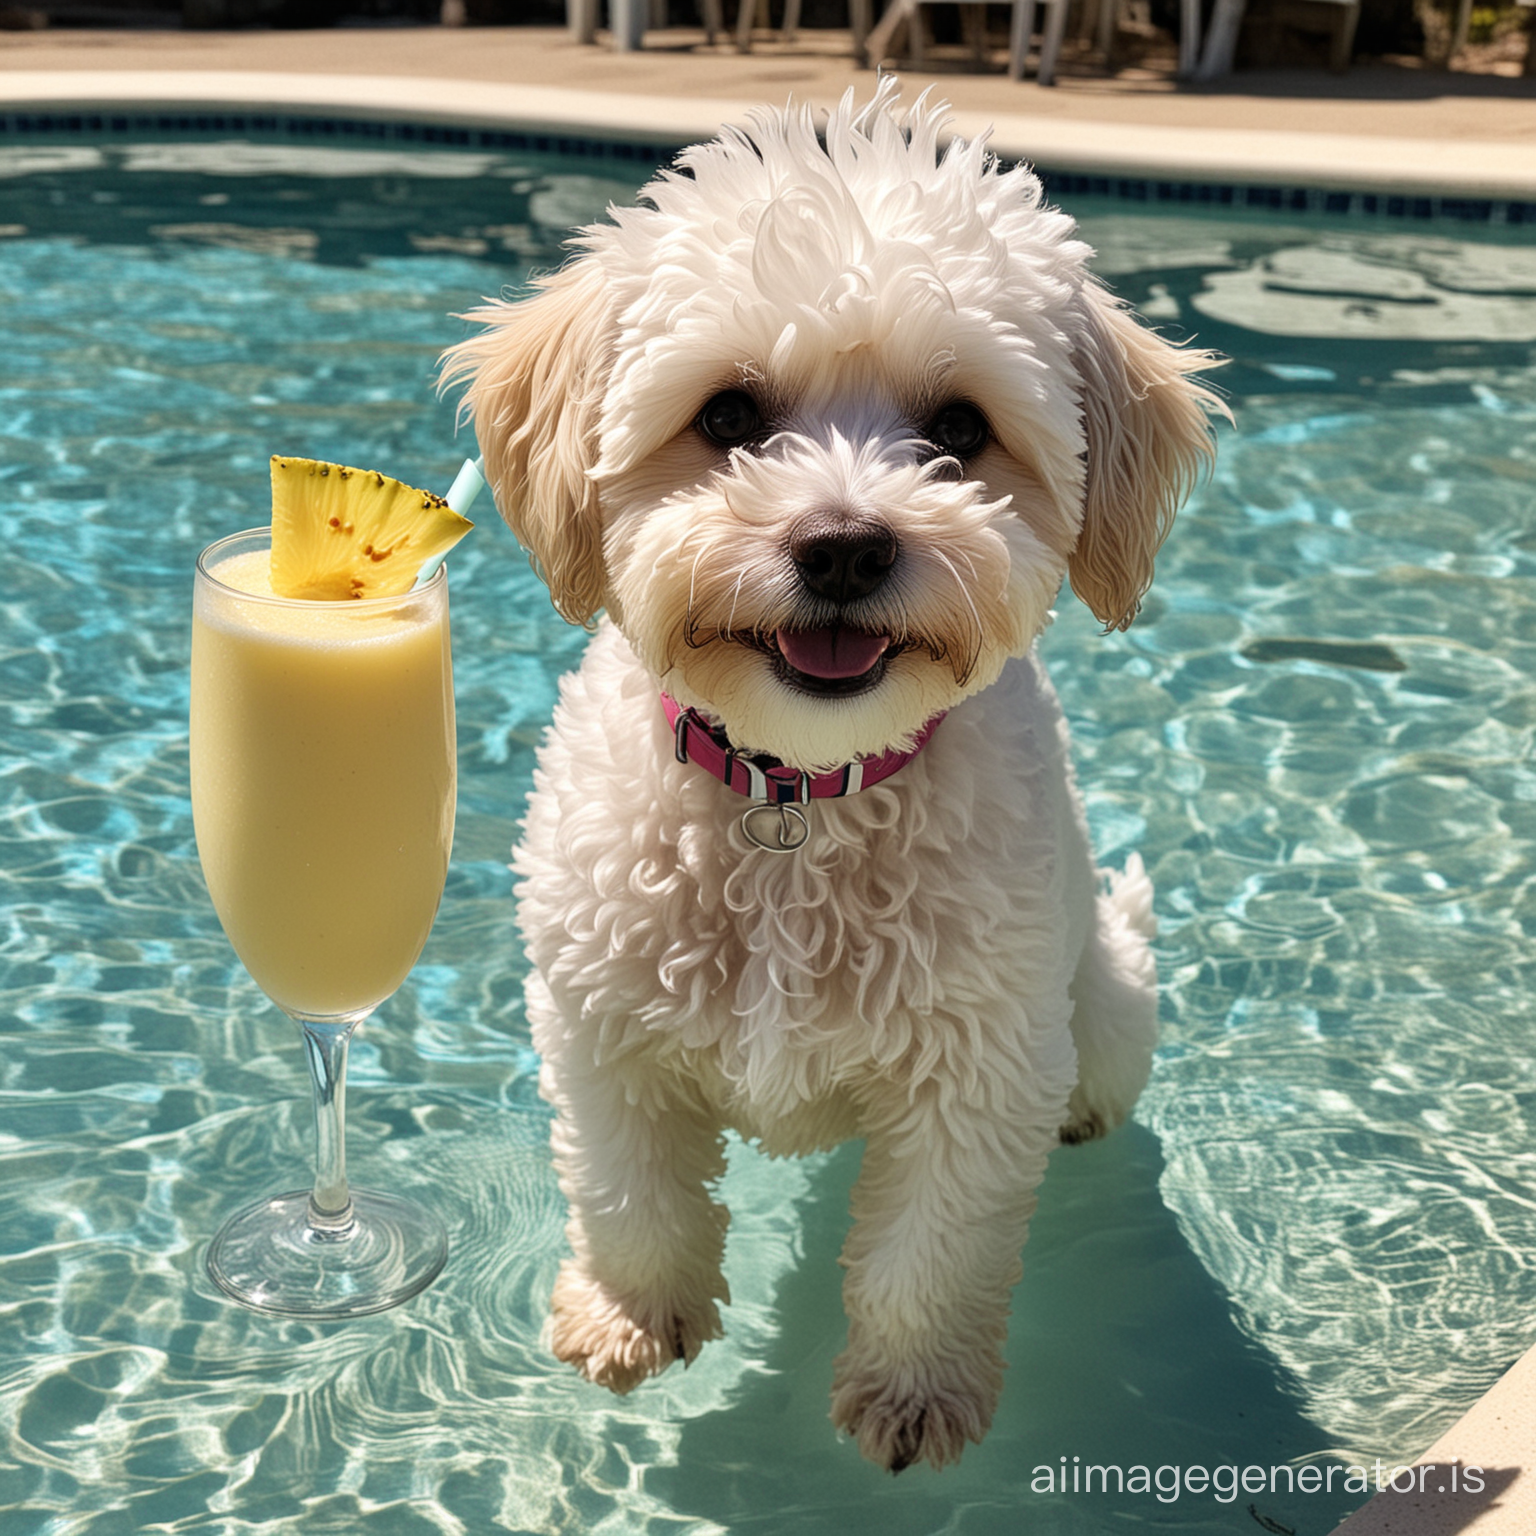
834	660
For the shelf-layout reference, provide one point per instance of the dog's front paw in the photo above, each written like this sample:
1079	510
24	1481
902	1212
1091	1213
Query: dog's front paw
616	1342
1086	1121
913	1415
1103	1104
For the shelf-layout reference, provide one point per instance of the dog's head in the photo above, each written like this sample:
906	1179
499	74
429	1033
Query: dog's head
823	424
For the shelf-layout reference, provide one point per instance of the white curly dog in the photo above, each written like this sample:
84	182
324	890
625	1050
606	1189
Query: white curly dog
821	424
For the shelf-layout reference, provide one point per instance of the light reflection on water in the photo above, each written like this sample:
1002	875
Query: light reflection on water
1334	1160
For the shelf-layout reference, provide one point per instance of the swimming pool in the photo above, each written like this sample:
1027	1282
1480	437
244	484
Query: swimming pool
1316	1237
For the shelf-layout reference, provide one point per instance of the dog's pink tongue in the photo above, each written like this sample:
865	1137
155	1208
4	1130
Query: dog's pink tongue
832	651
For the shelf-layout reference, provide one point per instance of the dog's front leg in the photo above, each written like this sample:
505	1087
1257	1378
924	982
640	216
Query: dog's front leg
941	1210
635	1162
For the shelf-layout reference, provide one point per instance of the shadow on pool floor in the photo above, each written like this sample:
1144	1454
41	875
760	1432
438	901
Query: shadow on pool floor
1122	1353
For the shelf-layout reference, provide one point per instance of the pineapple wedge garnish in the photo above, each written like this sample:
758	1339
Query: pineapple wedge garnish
339	532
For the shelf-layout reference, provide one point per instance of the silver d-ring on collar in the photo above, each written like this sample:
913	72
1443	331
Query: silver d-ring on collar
789	833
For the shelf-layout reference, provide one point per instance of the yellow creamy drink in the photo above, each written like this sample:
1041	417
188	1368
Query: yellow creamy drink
322	781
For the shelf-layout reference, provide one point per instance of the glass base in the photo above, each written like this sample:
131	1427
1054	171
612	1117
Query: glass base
274	1257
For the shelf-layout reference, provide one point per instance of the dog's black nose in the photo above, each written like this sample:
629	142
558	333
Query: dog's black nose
842	559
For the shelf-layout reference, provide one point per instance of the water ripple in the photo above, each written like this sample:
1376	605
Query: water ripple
1320	736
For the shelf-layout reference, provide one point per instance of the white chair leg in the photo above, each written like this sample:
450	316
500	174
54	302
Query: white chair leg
744	20
791	20
714	23
1019	34
1189	38
1109	14
626	20
880	42
1050	41
859	19
1220	44
973	31
1342	48
1462	27
581	18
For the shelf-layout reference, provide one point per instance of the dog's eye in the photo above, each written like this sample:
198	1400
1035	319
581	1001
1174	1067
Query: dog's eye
730	418
959	430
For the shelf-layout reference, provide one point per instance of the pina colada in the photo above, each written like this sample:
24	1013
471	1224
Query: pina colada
323	779
322	782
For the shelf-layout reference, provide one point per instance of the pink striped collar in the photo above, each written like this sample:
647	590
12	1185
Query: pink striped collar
769	781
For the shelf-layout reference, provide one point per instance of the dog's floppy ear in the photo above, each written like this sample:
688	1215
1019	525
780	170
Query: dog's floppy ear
1148	437
535	379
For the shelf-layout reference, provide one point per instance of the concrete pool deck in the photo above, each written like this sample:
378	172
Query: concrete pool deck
1380	127
1377	127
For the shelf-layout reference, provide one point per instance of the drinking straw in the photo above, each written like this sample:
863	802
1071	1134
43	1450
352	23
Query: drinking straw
467	485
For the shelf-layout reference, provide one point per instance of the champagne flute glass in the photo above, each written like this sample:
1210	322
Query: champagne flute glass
323	786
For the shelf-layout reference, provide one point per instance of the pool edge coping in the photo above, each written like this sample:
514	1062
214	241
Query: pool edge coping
1481	168
1493	1435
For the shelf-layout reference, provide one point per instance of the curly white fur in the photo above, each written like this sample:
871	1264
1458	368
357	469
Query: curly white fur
939	970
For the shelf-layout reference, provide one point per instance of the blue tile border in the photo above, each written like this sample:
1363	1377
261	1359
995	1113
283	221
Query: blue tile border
307	128
1426	207
298	127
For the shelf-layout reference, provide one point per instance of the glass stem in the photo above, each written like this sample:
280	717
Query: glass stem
325	1049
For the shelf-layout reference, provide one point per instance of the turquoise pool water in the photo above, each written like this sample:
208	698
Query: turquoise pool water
1317	1237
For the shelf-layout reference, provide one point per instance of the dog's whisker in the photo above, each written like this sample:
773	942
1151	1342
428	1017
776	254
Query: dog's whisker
963	674
730	618
693	578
